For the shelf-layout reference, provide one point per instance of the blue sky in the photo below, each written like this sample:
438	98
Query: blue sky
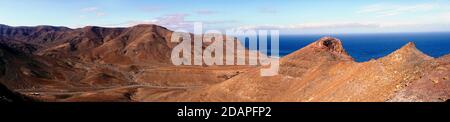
289	16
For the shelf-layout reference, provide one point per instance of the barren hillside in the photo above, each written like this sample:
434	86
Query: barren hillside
133	64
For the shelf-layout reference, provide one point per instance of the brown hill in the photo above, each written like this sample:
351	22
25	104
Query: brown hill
93	44
58	63
322	71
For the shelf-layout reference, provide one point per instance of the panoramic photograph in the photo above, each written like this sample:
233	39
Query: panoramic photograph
224	51
119	50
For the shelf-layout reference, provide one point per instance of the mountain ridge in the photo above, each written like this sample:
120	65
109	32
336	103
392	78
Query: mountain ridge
325	77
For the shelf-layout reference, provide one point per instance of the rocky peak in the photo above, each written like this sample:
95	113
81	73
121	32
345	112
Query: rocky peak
408	52
149	27
331	44
410	46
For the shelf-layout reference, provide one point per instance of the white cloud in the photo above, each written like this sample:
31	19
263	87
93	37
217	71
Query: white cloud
314	26
429	16
353	27
89	9
177	21
92	10
382	10
172	21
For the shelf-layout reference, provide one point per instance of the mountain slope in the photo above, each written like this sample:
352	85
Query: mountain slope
433	86
322	71
63	64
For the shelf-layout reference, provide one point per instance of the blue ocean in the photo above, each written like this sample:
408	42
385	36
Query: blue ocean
363	47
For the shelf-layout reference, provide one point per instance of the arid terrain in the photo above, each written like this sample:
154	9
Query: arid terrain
47	63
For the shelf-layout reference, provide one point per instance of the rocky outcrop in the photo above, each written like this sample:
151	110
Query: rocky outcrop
434	85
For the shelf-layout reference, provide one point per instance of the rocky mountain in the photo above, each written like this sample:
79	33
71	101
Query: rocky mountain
133	64
58	63
92	44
